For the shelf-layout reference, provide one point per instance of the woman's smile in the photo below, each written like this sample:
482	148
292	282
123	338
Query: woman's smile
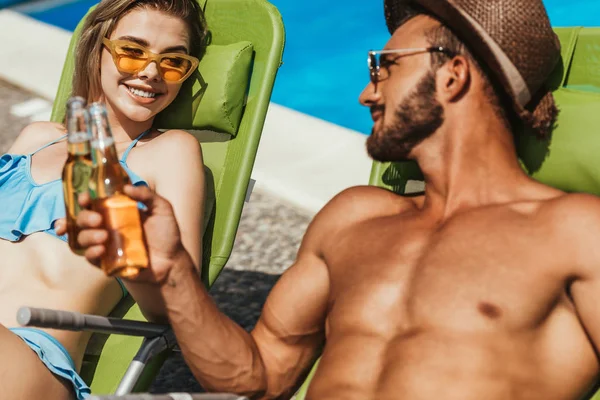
142	96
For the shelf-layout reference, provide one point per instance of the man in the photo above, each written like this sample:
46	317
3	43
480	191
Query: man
486	287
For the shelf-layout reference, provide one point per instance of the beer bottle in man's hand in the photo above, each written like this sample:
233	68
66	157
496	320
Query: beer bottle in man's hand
126	251
77	170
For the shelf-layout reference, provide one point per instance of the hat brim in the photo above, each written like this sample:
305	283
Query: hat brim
459	23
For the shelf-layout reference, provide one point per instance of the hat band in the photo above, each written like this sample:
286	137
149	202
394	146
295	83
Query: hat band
515	79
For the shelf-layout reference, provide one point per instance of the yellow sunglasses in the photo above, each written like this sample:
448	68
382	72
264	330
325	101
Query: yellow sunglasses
132	58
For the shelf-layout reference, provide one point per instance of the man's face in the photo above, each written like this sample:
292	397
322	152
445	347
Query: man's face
403	105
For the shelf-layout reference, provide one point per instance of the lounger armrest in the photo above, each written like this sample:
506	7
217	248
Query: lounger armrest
74	321
172	396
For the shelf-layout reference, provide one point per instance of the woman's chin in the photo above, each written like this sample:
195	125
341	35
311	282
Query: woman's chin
138	113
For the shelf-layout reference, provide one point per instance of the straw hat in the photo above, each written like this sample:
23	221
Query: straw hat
513	38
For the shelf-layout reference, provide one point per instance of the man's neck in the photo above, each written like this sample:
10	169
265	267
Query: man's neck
471	163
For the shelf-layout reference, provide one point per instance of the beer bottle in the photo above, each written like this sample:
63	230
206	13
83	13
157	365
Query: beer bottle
125	248
78	167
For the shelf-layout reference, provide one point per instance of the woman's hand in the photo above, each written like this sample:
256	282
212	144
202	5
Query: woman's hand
160	230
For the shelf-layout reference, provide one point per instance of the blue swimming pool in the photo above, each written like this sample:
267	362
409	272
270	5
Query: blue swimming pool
324	67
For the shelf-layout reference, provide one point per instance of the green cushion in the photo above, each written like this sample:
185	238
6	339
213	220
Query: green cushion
213	98
569	160
584	88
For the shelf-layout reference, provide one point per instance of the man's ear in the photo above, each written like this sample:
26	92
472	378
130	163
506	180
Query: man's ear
454	79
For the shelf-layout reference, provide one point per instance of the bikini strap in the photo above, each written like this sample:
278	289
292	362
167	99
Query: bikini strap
133	143
49	144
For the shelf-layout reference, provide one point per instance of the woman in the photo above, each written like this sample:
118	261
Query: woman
120	61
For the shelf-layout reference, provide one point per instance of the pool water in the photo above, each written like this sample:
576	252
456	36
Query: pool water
325	57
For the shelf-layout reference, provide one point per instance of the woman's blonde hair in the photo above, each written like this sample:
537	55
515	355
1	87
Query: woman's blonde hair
101	22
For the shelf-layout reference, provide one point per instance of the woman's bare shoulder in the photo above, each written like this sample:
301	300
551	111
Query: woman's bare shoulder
170	154
177	145
35	135
175	140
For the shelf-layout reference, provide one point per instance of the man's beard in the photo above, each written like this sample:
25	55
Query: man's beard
417	118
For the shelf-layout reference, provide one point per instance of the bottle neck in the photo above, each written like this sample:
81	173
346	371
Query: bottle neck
103	143
78	127
108	176
78	143
104	151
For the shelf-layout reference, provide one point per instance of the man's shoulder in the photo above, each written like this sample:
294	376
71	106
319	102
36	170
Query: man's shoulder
360	203
575	231
369	201
572	209
572	222
351	207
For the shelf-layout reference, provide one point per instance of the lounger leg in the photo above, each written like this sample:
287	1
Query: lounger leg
130	378
149	348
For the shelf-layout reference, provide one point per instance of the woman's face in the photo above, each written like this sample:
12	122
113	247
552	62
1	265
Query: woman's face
142	95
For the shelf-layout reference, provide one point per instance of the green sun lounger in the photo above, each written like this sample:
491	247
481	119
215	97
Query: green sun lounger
226	105
570	159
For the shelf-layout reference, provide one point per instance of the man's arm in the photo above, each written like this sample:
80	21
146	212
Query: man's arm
223	357
583	229
268	362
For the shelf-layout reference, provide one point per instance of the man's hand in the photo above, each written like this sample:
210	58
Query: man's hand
160	229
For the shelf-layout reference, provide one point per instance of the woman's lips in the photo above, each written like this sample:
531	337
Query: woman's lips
141	99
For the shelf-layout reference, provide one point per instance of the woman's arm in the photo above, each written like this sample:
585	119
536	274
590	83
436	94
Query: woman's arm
181	180
177	172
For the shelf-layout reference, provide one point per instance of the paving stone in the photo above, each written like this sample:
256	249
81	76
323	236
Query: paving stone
10	96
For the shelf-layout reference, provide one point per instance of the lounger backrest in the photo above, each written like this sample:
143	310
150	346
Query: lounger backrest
229	159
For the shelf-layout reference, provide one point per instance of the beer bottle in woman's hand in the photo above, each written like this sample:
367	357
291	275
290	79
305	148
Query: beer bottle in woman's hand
125	251
78	167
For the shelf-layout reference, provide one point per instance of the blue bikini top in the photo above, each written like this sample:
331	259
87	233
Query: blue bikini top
27	207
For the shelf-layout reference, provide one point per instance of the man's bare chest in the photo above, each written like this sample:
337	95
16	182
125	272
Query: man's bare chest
478	272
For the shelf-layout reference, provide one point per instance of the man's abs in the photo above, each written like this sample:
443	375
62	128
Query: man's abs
472	308
431	364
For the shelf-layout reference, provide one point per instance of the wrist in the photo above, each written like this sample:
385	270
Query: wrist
181	269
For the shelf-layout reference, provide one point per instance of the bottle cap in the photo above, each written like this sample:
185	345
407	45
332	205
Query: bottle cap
97	108
76	102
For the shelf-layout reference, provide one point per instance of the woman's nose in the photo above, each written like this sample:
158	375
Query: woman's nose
151	72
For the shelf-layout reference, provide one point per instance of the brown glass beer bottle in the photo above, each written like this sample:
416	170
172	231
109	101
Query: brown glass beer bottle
126	252
78	167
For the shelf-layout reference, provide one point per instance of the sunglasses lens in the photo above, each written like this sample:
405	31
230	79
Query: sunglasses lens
130	65
373	67
130	59
175	68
